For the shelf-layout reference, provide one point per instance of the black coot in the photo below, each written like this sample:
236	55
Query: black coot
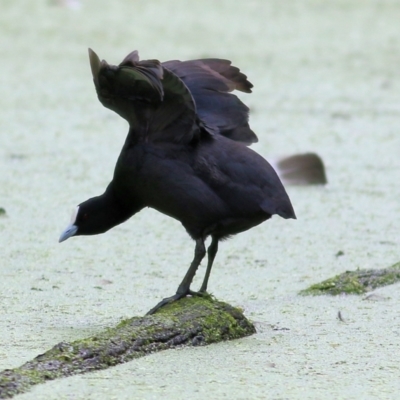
185	155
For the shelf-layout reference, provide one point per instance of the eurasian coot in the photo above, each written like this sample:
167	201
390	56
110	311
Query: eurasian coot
185	155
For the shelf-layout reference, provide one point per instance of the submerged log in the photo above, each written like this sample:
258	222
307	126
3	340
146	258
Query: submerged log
359	281
190	321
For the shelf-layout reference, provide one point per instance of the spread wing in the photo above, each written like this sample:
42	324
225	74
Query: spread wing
210	82
131	80
155	102
165	102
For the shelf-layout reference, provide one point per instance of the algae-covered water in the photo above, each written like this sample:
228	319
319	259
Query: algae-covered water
327	79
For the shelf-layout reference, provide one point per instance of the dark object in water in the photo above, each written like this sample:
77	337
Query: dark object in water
301	169
182	155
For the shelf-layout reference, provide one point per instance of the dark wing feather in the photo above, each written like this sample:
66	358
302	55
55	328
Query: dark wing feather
174	120
210	81
245	182
132	71
155	102
130	81
230	72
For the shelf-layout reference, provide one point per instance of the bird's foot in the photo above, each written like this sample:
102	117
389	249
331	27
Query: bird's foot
173	298
199	293
166	301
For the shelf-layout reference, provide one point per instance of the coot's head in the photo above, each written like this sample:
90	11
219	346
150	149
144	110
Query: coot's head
84	221
94	216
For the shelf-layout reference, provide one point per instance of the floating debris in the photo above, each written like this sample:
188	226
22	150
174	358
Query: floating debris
340	317
301	169
356	282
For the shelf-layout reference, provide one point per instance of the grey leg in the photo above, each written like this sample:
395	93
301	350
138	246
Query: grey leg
212	251
184	287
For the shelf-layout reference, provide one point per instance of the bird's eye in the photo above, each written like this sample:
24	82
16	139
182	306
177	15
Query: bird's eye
84	217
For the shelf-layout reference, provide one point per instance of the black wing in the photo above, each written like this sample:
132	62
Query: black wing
210	82
155	102
163	102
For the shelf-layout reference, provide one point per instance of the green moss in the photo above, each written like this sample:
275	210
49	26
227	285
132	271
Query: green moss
190	321
356	282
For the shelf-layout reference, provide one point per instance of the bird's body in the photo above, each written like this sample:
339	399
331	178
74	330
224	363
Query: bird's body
183	155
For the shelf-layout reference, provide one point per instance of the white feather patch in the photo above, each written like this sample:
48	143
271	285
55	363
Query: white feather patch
74	215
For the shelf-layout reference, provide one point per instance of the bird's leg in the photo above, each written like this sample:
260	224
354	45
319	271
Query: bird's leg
184	287
212	251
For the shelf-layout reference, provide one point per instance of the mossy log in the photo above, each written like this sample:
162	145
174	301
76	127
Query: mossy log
356	282
191	321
